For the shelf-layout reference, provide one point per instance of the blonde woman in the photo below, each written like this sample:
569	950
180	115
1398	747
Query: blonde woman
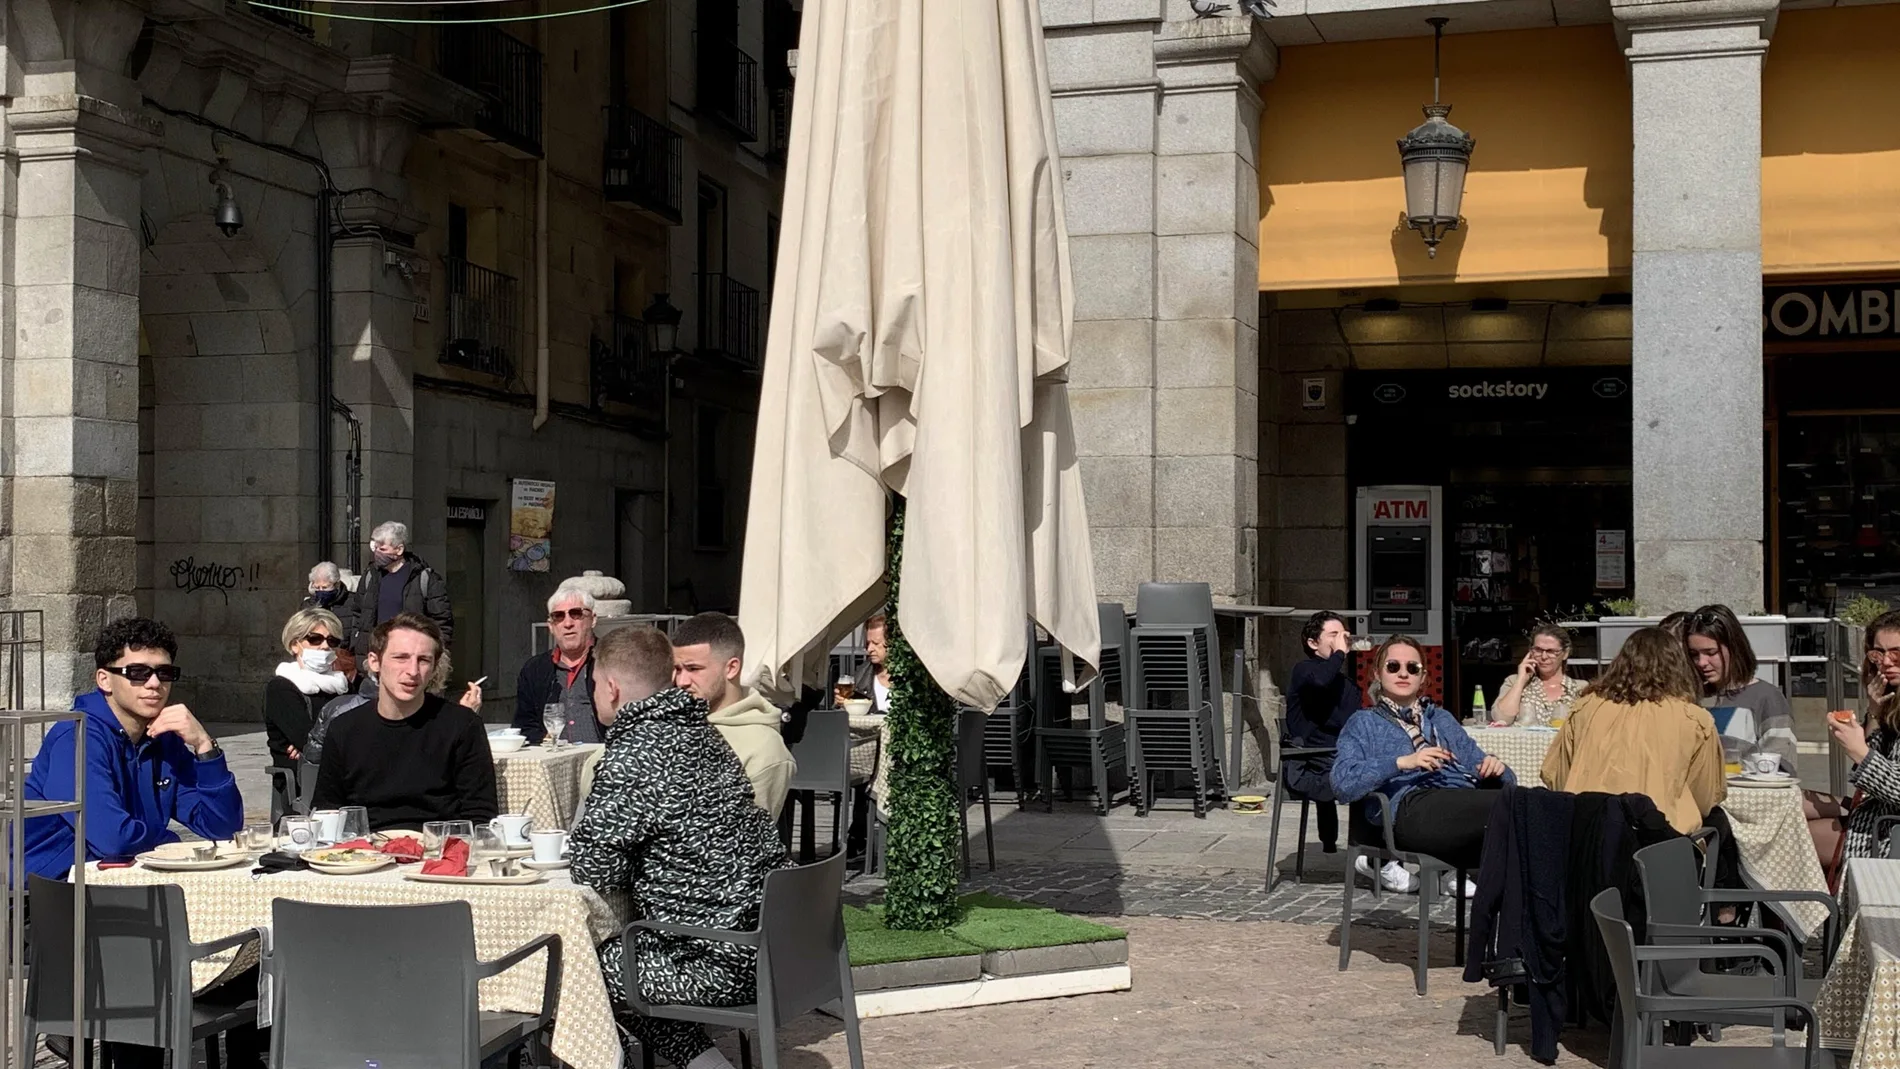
311	638
1638	730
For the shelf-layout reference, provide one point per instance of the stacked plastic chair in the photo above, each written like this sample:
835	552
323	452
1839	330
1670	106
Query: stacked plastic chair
1173	704
1093	744
1007	740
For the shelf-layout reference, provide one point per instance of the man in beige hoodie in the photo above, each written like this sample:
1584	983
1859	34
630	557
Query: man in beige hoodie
707	652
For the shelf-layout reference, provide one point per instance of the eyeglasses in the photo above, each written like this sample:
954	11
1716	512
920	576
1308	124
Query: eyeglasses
1884	654
314	639
1539	651
1406	668
577	615
140	674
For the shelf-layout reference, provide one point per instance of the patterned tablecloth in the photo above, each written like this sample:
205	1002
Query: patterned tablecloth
226	901
870	741
1771	835
543	783
1859	1004
1521	748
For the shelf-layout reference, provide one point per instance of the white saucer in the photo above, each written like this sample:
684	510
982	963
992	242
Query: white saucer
544	866
1756	779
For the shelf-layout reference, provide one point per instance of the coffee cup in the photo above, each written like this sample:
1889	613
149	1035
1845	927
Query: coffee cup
513	828
1764	764
549	846
329	824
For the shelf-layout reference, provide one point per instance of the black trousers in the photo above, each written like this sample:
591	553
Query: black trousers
1446	823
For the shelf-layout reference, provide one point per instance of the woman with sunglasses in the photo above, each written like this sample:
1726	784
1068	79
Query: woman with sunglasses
311	638
1419	756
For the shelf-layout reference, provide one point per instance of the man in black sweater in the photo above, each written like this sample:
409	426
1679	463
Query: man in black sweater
412	757
1320	698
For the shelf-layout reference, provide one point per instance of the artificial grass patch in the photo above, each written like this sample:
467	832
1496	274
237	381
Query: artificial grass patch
985	922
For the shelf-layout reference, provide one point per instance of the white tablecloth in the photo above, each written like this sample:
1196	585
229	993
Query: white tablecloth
1521	748
543	783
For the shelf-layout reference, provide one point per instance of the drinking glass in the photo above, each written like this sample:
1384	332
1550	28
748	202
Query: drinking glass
434	834
463	830
257	836
488	842
355	822
554	718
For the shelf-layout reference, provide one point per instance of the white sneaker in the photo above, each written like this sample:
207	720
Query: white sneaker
1395	877
1447	885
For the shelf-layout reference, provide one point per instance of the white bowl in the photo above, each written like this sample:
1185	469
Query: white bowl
857	706
505	743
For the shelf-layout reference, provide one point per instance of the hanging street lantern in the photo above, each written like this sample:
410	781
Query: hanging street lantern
1435	156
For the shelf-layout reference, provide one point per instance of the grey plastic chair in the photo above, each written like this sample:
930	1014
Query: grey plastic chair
1173	712
1362	839
392	985
1638	1007
138	971
1008	735
973	774
1281	794
1094	744
824	767
803	963
292	789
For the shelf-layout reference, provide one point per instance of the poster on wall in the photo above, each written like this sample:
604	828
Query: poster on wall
1611	573
531	526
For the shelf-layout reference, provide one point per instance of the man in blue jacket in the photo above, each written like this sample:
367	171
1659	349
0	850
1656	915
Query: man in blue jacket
148	762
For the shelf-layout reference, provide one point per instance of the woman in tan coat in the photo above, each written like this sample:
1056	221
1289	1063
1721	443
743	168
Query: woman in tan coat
1638	730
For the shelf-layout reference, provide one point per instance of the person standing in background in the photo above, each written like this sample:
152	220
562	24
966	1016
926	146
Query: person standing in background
399	582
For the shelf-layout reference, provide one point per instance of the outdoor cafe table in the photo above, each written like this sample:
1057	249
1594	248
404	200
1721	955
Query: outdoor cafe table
543	783
1771	834
226	901
1859	1003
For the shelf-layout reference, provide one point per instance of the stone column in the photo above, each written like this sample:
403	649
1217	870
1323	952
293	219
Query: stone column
1695	75
69	262
1207	216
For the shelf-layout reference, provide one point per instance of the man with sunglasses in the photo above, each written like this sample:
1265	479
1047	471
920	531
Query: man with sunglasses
148	762
564	676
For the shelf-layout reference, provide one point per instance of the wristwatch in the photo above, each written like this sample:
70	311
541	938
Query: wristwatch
215	752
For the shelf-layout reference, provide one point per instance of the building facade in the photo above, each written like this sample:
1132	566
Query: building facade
1647	364
272	276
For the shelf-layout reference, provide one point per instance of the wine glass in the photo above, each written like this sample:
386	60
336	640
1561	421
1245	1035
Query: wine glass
355	822
554	718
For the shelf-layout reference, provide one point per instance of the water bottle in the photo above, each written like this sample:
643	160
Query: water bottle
1478	710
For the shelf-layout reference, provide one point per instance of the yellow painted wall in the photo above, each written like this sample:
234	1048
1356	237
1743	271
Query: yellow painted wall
1831	143
1548	195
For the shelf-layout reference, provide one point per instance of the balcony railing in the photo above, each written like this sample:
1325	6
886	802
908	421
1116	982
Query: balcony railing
625	370
729	87
483	325
505	72
298	20
642	162
729	320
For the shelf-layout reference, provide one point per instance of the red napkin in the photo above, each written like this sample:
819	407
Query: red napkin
453	862
404	849
355	844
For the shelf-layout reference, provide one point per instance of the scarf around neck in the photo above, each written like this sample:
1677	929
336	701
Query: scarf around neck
312	682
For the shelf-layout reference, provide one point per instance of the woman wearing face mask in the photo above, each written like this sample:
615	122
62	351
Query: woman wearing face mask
303	683
327	591
1418	756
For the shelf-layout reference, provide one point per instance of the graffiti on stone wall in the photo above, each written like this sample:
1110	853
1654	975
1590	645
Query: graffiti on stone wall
190	576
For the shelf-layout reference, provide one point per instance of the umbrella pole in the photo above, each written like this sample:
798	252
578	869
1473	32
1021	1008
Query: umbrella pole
924	852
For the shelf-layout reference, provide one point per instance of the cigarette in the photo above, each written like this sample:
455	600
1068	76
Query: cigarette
479	682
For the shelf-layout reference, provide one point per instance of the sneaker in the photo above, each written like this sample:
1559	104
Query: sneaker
1447	885
1394	877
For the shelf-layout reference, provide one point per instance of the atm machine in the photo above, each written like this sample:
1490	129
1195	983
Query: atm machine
1399	573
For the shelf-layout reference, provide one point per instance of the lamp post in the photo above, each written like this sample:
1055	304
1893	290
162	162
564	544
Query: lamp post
1435	156
663	327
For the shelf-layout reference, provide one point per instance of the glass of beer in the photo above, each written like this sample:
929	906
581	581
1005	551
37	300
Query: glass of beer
844	689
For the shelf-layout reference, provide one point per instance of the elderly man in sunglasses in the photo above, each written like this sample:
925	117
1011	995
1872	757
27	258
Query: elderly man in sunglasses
148	762
560	683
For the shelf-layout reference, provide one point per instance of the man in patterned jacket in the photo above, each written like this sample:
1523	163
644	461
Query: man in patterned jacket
671	822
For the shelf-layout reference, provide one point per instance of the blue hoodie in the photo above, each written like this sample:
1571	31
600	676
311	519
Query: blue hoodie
133	792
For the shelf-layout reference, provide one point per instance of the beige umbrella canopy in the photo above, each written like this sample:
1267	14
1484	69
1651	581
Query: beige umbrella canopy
919	343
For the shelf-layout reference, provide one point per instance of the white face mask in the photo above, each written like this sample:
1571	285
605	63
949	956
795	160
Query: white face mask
318	660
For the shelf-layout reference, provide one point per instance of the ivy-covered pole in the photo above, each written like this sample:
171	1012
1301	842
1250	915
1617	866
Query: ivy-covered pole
924	851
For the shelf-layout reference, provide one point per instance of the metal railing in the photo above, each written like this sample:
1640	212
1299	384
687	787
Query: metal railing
483	324
641	162
778	121
505	72
22	659
729	319
729	87
625	370
299	20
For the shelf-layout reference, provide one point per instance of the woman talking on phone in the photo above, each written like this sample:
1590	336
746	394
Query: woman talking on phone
1419	756
1541	692
1847	831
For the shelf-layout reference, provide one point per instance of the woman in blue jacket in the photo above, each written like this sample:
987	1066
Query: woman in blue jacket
1419	756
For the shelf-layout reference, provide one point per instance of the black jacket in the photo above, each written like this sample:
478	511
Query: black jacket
1320	697
424	591
539	685
348	608
287	716
1519	918
1605	834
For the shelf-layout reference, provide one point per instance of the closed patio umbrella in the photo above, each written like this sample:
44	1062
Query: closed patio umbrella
918	344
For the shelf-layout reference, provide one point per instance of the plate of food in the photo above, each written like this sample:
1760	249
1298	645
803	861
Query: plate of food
347	862
193	857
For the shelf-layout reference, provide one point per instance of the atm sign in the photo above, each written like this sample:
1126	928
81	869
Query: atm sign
1405	508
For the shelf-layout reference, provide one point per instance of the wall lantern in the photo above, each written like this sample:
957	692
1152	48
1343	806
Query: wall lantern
663	320
1435	156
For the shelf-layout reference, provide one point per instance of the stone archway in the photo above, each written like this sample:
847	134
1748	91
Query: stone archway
227	517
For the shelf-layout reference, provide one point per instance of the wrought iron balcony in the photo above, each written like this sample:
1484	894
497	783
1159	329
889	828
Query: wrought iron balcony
641	165
483	325
625	369
729	87
505	72
730	320
298	20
